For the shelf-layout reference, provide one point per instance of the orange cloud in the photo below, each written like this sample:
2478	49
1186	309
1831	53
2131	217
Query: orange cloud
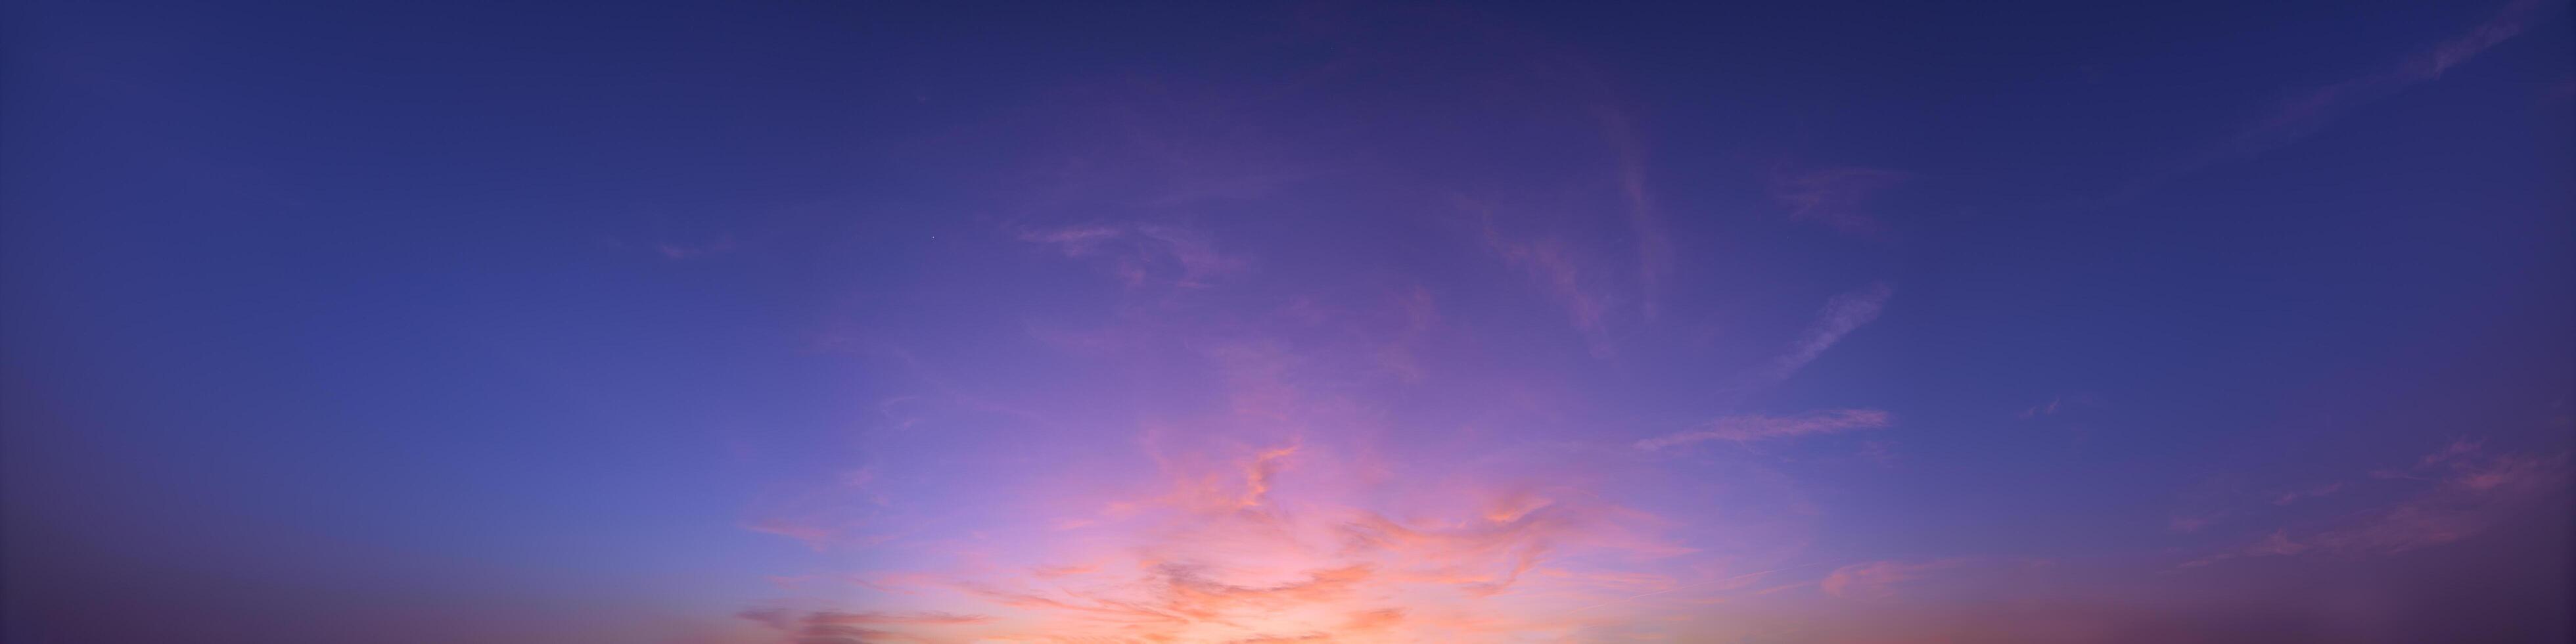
1251	549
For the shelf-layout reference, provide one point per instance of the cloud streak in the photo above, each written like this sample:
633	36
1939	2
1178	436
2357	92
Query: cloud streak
1878	579
1842	315
2470	492
1654	245
1836	197
2312	110
1559	273
1757	427
1141	254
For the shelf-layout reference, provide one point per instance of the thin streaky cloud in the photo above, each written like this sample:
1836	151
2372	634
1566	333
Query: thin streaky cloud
1836	197
1654	245
1140	254
1841	315
1560	274
1732	582
1756	427
2307	112
2470	493
1877	578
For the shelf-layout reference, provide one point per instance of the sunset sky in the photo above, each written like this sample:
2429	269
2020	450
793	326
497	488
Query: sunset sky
839	321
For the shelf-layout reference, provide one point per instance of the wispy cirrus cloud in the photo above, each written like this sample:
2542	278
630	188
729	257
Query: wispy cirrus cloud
1879	578
2294	495
1140	254
1654	244
1562	275
1836	197
2471	490
2309	111
851	511
2303	114
1841	315
1758	427
2058	404
676	251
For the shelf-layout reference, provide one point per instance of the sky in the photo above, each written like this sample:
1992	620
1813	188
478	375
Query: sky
836	322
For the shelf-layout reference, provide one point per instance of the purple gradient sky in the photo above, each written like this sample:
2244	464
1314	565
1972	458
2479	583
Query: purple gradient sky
1811	322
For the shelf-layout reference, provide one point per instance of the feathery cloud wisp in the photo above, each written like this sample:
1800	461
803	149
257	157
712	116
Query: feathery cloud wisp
2304	114
1835	196
1841	315
1876	578
2471	492
1756	427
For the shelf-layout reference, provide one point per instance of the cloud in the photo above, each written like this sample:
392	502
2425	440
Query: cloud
2287	497
1075	241
2474	495
2058	404
1375	620
1558	273
1049	572
2303	114
821	627
1758	427
1276	492
816	537
675	251
1841	315
1141	254
1836	196
2307	112
1654	245
2190	522
1245	549
1399	356
2470	492
824	516
1878	578
930	617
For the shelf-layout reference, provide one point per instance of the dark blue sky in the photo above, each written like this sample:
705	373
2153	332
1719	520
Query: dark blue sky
1815	321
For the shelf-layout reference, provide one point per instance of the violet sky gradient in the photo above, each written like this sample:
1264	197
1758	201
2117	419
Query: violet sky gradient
834	322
